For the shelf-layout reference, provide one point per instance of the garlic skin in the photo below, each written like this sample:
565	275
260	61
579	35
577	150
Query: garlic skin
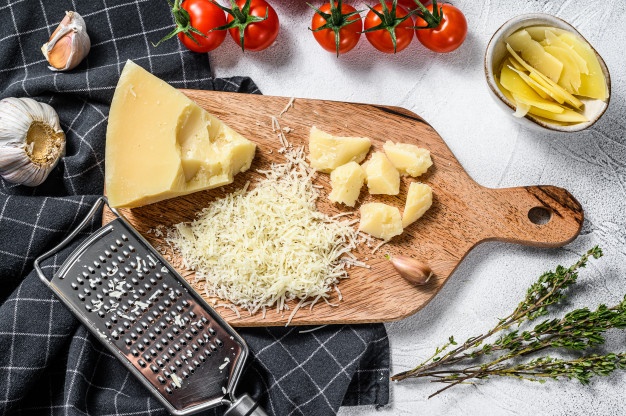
31	141
412	270
68	44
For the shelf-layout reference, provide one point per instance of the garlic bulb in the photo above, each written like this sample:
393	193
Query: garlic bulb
69	43
31	140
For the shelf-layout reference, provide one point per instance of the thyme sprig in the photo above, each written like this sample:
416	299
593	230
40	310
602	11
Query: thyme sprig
576	331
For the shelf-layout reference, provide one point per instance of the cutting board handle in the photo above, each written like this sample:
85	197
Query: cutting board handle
540	216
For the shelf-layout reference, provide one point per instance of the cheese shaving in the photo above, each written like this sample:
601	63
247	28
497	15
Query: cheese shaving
178	382
266	246
288	106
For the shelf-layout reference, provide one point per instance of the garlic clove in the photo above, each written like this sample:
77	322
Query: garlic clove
31	140
59	55
69	43
411	269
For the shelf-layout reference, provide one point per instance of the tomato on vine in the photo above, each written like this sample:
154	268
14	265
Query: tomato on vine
253	24
336	26
388	27
195	21
441	28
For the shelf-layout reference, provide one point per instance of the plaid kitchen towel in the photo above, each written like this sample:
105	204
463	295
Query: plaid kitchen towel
49	363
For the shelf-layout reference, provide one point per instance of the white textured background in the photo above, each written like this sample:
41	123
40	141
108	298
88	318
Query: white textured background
449	91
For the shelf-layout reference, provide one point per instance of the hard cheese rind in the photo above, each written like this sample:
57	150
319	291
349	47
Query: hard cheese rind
160	144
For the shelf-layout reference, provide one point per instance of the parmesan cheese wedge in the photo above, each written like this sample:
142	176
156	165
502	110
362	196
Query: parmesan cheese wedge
160	144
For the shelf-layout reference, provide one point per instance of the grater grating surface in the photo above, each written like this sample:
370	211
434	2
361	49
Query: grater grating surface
149	317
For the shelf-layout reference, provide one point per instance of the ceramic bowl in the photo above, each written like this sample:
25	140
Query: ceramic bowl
496	52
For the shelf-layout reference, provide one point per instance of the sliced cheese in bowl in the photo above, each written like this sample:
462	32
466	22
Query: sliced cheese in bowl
160	144
535	55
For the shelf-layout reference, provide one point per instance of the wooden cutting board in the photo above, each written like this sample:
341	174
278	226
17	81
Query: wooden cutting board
463	214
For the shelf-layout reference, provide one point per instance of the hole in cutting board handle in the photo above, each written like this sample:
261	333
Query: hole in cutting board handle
540	215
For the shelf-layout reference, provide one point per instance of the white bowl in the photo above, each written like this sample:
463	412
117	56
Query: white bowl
496	52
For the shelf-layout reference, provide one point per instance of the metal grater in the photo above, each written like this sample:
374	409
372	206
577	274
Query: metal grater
149	317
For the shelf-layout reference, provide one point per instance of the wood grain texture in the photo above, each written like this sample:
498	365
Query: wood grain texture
463	212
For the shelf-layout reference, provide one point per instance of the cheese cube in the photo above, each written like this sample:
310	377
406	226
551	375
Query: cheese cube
418	201
160	144
346	182
382	176
327	152
380	220
409	159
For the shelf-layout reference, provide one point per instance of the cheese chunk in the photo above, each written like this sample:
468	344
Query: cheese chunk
327	152
382	176
409	159
380	220
160	144
418	200
346	182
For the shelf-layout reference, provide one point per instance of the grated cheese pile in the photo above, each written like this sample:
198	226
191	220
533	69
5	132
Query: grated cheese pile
263	247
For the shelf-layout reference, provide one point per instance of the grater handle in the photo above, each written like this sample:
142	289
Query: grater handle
245	406
94	209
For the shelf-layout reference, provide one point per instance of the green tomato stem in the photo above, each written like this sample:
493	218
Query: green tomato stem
335	20
433	20
389	20
183	24
241	18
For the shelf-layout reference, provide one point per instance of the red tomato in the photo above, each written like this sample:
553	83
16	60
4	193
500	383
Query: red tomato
204	16
410	4
448	35
258	33
348	28
381	39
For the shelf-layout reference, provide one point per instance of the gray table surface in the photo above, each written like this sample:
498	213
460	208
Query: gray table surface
449	91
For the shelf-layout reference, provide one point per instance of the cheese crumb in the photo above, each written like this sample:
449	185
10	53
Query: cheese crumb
178	382
225	363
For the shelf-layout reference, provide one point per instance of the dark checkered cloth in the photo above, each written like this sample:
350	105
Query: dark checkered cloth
49	363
